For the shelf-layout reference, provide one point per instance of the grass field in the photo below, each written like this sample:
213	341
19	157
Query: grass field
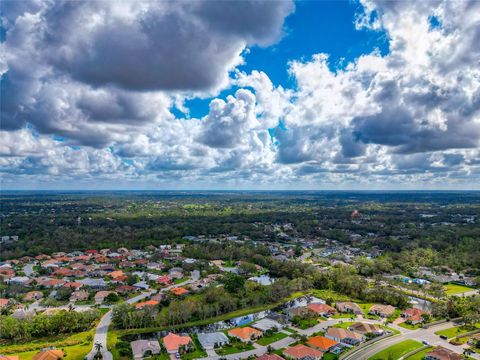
365	307
234	348
397	351
266	340
344	324
420	355
452	289
410	326
75	346
456	331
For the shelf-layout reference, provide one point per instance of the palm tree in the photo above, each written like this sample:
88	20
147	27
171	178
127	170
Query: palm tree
98	348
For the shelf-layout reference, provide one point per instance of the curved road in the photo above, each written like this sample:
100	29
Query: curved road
102	327
418	335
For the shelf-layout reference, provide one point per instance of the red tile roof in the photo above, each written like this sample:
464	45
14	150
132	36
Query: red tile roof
321	342
245	333
301	351
321	308
141	305
179	291
173	341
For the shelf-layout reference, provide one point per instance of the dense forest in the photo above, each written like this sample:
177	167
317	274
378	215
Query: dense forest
396	222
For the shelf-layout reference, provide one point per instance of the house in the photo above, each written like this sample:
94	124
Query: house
173	342
364	328
321	309
344	336
33	295
270	357
299	352
144	348
280	318
101	295
176	273
143	304
21	280
179	291
441	353
79	295
264	280
4	303
142	285
73	285
93	283
349	307
321	343
267	324
164	280
302	311
245	334
116	274
382	310
49	354
210	340
23	314
413	315
9	357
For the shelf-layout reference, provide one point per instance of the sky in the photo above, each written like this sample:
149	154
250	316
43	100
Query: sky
366	94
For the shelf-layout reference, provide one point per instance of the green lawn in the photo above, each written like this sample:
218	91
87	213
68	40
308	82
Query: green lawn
330	294
344	325
305	323
329	356
197	353
76	346
365	307
452	289
179	281
397	351
234	347
343	316
266	340
456	330
420	355
410	326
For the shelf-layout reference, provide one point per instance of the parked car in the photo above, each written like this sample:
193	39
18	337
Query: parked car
443	337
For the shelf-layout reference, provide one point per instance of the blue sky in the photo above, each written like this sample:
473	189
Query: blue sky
315	27
361	94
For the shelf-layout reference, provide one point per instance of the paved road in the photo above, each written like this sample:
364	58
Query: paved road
102	327
418	335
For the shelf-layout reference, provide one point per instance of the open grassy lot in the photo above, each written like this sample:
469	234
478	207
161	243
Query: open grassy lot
456	330
410	326
234	347
365	308
329	356
452	289
330	294
344	325
305	323
266	340
420	355
397	351
343	316
75	346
